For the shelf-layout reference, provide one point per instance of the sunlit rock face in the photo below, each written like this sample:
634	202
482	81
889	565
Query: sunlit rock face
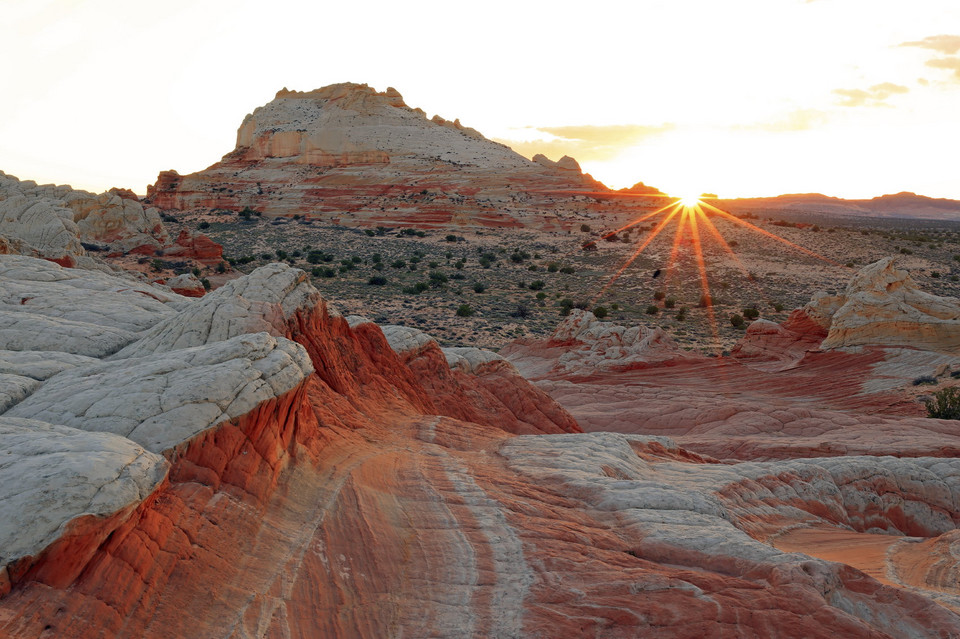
347	153
252	463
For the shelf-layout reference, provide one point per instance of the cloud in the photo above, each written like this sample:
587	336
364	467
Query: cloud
799	120
586	143
952	64
874	96
946	44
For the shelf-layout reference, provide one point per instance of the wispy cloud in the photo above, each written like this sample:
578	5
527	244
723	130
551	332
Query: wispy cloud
584	142
874	96
946	44
952	64
799	120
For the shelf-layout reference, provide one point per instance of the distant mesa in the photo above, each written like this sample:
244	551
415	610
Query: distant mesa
349	152
899	205
641	189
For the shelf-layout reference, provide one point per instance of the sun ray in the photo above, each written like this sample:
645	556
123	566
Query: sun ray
704	280
643	218
662	225
726	247
774	236
674	250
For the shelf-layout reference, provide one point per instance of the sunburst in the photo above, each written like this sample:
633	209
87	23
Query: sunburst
691	214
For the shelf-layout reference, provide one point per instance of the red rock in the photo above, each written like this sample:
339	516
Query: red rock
197	246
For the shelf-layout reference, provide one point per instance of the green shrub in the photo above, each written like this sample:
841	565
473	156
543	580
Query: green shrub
377	280
751	313
541	295
682	313
465	310
600	312
737	321
669	302
945	403
206	284
553	267
659	295
567	269
478	287
653	309
537	285
585	228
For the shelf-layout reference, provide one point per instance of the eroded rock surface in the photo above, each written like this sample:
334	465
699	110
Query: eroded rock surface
318	476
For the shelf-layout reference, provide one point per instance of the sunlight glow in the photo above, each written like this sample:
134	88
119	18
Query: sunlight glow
692	215
690	200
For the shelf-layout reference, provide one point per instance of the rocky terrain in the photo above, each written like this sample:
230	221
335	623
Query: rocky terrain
322	445
111	230
253	463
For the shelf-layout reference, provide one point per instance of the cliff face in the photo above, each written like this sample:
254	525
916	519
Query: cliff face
347	153
254	464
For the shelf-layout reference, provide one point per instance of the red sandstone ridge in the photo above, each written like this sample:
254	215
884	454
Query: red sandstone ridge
350	154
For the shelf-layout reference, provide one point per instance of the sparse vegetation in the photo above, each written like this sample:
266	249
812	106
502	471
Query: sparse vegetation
945	403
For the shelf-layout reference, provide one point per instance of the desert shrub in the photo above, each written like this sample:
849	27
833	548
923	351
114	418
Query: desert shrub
669	302
945	403
653	309
566	305
737	321
567	269
266	256
705	301
615	306
479	287
533	267
521	311
437	278
537	285
541	295
157	264
459	264
777	306
206	284
377	280
600	312
517	257
221	268
553	267
659	295
204	225
398	264
465	310
585	228
369	232
924	379
433	264
751	313
451	238
682	313
416	289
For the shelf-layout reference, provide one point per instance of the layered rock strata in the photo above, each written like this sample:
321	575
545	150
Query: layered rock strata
348	154
254	464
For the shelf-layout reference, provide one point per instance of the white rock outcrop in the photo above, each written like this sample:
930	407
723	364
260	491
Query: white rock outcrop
51	475
164	399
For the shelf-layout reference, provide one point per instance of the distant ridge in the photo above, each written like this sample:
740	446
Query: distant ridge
899	205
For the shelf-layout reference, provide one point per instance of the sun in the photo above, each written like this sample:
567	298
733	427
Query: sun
689	200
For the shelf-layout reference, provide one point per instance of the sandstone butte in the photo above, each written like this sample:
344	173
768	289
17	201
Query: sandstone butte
348	154
252	463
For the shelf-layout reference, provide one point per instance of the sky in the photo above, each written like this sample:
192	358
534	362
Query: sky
852	98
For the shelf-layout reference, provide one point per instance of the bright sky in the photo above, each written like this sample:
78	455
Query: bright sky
853	98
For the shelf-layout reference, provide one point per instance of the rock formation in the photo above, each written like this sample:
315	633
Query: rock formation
352	155
75	228
582	345
252	463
